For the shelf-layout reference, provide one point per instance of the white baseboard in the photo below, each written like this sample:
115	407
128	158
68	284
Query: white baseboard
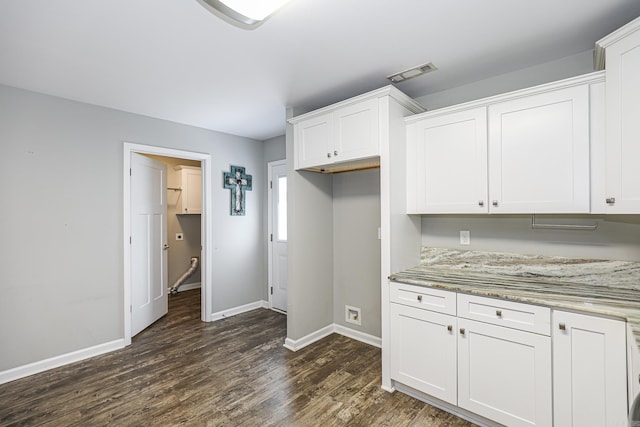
237	310
358	335
189	286
57	361
295	345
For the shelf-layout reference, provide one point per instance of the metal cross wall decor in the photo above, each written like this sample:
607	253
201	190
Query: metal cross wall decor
238	182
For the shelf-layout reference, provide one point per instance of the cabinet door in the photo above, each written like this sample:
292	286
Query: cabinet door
357	131
313	141
623	125
447	163
192	191
589	371
504	374
539	153
423	352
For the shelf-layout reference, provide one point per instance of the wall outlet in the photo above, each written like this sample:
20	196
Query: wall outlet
352	315
179	236
465	237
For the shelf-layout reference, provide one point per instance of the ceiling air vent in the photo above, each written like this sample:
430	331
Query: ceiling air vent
411	73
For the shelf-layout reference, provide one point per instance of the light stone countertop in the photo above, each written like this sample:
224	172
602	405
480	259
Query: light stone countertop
604	287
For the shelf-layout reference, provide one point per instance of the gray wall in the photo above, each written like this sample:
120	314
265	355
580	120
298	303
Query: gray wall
569	66
617	236
62	244
356	248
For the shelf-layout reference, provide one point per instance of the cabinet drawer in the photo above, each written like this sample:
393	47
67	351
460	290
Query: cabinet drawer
525	317
423	297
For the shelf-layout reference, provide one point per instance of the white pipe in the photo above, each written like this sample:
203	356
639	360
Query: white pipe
192	269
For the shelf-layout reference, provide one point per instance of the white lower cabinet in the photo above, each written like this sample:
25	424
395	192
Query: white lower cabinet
511	363
504	374
589	371
424	351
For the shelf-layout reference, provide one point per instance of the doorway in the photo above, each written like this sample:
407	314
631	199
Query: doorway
205	227
277	244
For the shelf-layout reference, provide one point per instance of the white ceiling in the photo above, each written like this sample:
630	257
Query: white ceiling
174	60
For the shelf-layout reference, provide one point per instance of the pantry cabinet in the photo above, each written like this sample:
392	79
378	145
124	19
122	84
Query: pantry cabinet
522	152
346	135
589	370
189	181
619	54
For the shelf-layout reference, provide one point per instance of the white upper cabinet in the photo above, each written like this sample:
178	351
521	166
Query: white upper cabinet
190	197
447	163
522	152
622	153
346	135
539	153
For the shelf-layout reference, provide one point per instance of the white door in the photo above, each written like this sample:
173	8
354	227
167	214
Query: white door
149	299
278	235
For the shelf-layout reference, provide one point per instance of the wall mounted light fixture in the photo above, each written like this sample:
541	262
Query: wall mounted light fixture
247	12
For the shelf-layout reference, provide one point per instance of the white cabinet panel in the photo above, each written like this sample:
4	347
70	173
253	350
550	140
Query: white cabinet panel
622	124
190	182
356	131
504	374
424	351
539	153
590	371
447	163
424	297
313	141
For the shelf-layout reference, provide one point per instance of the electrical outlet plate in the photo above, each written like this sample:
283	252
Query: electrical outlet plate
465	237
352	315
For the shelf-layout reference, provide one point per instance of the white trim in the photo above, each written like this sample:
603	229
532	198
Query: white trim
238	310
358	335
270	166
57	361
189	286
206	266
295	345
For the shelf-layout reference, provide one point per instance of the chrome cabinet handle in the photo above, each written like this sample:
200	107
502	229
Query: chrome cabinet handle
481	203
494	203
562	327
610	200
449	328
420	298
328	155
461	331
499	313
335	152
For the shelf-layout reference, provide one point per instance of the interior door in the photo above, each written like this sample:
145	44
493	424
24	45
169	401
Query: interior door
278	235
149	246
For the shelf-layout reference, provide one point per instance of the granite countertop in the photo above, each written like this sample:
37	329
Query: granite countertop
610	288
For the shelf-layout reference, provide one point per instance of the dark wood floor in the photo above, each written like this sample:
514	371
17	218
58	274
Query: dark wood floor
233	372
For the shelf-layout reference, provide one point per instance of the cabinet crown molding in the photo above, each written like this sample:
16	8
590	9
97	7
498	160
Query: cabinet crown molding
590	78
389	90
599	62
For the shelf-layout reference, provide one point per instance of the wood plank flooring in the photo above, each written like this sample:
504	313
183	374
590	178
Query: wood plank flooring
233	372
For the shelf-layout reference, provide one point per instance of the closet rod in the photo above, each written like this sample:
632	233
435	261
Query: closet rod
536	225
174	188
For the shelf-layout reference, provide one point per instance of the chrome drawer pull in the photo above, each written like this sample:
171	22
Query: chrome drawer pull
562	327
499	313
449	328
610	200
420	298
461	331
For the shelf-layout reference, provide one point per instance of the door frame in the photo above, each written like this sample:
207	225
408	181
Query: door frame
206	227
270	219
